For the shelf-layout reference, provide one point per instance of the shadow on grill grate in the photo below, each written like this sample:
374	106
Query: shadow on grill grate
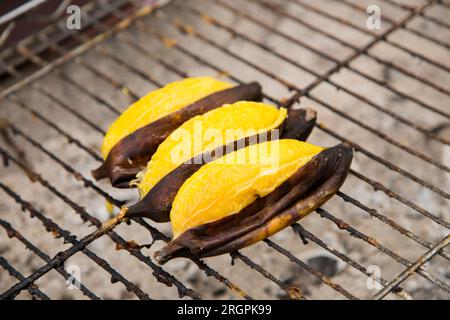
385	92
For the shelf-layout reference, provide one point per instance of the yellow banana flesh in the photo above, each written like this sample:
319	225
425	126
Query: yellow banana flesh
229	184
157	104
206	132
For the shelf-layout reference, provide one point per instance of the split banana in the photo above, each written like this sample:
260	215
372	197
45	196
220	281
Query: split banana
250	194
133	138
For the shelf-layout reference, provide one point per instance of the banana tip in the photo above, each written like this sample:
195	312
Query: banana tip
171	251
310	114
99	173
163	255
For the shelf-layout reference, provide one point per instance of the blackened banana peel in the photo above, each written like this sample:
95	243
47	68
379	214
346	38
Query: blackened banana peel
131	154
157	203
307	189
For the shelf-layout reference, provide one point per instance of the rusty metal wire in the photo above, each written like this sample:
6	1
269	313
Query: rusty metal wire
154	232
14	233
182	74
305	234
372	241
209	271
373	183
421	34
247	260
422	14
293	87
393	65
158	272
88	183
412	268
39	47
56	230
328	106
345	197
156	235
366	179
33	290
138	13
414	12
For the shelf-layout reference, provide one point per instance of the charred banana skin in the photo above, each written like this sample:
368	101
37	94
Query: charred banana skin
306	190
157	203
130	155
299	124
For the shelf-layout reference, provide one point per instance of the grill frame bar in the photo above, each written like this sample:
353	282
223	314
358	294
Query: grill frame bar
298	92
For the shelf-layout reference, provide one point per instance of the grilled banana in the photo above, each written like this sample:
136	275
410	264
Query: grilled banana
250	194
133	138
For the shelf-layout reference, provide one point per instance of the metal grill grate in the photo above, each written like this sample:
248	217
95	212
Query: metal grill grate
392	212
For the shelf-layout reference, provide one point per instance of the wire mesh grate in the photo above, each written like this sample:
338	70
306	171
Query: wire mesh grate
241	42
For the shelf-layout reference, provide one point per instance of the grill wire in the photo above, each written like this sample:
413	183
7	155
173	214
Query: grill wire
199	22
